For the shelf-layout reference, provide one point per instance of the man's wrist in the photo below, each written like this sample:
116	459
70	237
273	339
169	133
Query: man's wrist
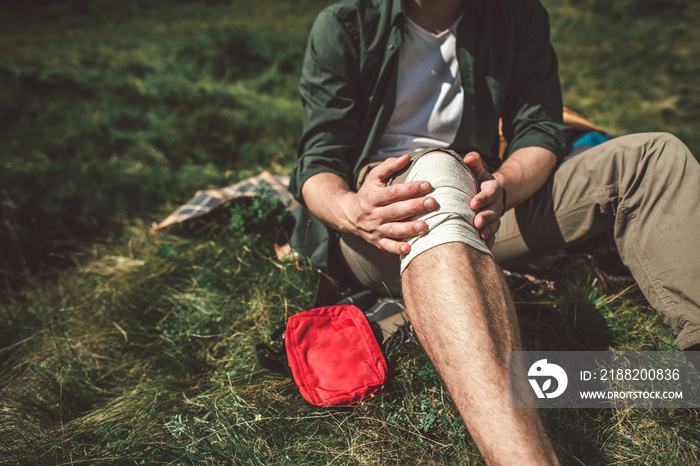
347	214
328	197
505	192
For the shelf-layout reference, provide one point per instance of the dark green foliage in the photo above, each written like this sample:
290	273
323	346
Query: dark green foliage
231	54
263	215
127	134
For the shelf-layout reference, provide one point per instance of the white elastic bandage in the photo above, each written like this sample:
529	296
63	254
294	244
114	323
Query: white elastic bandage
452	220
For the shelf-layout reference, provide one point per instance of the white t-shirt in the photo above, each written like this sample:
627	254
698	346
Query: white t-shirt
429	95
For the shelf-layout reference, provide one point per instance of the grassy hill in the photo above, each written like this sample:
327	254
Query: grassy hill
117	346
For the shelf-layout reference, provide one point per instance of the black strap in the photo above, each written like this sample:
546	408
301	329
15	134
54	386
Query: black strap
393	345
278	333
275	363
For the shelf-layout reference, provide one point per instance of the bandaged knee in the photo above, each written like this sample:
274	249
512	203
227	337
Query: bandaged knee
452	220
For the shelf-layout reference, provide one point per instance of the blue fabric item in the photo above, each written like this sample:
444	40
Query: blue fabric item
590	139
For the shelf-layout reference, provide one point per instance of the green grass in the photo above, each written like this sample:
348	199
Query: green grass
133	107
631	65
123	347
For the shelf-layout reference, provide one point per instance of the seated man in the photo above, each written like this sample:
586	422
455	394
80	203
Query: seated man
398	161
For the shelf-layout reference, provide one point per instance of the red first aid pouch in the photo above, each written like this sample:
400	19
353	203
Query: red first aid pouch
332	356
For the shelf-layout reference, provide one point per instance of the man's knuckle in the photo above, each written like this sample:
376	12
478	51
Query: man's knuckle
393	191
391	232
396	211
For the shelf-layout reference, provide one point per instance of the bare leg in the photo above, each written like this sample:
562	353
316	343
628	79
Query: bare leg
463	314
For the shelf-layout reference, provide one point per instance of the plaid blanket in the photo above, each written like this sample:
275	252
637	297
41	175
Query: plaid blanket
206	201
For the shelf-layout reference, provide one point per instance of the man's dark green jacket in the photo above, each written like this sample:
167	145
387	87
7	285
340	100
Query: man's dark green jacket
507	67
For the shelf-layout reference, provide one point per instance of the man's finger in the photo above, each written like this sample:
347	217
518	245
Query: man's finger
489	230
405	209
482	200
387	168
393	246
486	217
398	230
473	161
488	194
399	192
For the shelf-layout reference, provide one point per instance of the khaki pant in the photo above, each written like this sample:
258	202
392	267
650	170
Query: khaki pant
645	188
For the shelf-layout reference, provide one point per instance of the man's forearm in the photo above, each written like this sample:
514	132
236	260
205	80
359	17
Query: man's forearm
325	195
524	172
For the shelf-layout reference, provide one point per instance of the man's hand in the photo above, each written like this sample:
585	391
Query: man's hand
523	173
488	203
377	212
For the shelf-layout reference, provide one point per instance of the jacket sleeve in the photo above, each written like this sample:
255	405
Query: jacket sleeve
328	90
533	110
